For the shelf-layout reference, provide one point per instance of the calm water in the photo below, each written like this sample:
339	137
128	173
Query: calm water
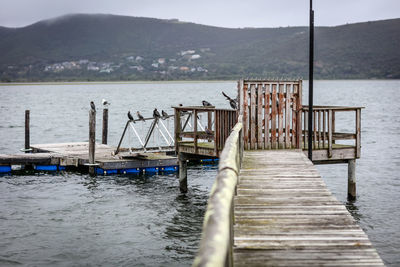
68	220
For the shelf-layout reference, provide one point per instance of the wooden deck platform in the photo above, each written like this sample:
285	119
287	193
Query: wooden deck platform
284	215
76	155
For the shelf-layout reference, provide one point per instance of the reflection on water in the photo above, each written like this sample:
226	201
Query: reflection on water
351	206
141	220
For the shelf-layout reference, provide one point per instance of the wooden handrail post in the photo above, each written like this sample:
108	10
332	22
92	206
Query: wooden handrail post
178	129
330	128
358	133
195	131
105	127
333	125
92	140
27	131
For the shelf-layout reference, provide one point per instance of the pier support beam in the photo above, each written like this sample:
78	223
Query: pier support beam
182	172
27	131
105	127
92	141
351	182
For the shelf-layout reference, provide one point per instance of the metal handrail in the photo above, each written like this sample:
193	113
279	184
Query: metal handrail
217	236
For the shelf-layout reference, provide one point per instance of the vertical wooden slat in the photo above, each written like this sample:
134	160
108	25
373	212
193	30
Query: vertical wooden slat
330	119
305	129
324	128
195	131
294	116
281	144
27	131
178	128
253	138
333	124
314	129
267	143
287	116
358	132
273	116
245	117
319	129
259	116
299	107
216	132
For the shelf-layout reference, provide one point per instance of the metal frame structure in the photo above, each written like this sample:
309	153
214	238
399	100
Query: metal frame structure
157	123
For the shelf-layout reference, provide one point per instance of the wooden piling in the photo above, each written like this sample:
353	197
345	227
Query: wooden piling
351	184
105	127
92	140
27	131
182	173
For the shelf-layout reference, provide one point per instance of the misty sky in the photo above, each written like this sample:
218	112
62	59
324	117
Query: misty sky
233	13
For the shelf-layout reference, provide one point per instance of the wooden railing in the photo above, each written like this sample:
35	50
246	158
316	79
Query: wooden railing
217	236
324	128
192	128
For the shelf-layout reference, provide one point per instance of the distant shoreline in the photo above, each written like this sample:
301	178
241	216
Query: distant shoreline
159	81
115	82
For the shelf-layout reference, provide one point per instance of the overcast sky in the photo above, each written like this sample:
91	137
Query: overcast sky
224	13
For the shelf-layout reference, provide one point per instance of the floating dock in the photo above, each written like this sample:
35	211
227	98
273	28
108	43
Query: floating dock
60	156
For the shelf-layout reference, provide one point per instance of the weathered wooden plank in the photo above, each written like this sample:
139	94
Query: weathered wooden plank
298	109
324	128
267	142
319	129
330	130
253	116
274	103
245	117
287	116
260	128
358	133
283	205
281	107
294	116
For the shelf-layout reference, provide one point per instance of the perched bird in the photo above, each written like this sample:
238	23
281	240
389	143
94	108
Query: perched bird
141	118
232	102
164	115
181	105
105	102
156	114
130	117
92	105
206	104
208	131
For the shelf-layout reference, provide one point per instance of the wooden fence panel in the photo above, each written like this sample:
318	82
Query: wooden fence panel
271	113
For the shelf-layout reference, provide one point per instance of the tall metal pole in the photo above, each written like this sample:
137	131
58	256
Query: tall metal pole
310	83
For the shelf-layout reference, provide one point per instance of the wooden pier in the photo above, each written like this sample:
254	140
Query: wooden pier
272	208
284	215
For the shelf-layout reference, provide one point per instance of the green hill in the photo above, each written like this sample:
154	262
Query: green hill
109	47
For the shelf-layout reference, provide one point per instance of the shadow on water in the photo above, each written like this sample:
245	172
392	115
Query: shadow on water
353	209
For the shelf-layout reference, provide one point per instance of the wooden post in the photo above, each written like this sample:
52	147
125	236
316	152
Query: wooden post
351	182
182	173
178	128
195	130
105	127
27	131
92	140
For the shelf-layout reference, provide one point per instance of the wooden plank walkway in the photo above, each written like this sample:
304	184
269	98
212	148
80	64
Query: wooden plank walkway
285	216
